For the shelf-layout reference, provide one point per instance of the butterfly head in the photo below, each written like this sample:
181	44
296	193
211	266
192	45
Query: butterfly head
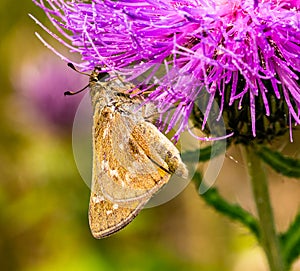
98	76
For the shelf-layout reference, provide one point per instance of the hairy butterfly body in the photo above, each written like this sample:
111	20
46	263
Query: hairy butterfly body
132	159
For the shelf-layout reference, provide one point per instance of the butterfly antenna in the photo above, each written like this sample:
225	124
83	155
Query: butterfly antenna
69	93
71	65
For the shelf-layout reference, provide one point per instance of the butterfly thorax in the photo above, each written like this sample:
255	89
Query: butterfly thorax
116	94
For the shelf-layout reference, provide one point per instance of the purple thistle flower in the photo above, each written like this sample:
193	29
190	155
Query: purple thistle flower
42	82
235	52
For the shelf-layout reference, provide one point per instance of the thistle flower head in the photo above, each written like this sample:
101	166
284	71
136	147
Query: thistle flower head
245	55
43	85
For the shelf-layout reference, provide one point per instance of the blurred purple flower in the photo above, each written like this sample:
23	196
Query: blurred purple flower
204	46
43	82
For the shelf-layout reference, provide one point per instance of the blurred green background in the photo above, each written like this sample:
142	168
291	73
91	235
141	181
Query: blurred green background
44	202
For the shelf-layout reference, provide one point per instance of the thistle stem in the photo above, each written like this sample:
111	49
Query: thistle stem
268	237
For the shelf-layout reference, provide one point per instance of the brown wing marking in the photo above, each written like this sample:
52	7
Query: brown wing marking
106	218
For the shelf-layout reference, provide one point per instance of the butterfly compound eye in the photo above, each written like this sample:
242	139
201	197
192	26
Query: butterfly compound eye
102	76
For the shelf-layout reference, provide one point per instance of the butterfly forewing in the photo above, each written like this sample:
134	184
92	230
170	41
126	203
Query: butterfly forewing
130	174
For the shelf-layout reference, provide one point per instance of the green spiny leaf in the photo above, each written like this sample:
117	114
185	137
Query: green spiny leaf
234	211
290	242
282	164
207	153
